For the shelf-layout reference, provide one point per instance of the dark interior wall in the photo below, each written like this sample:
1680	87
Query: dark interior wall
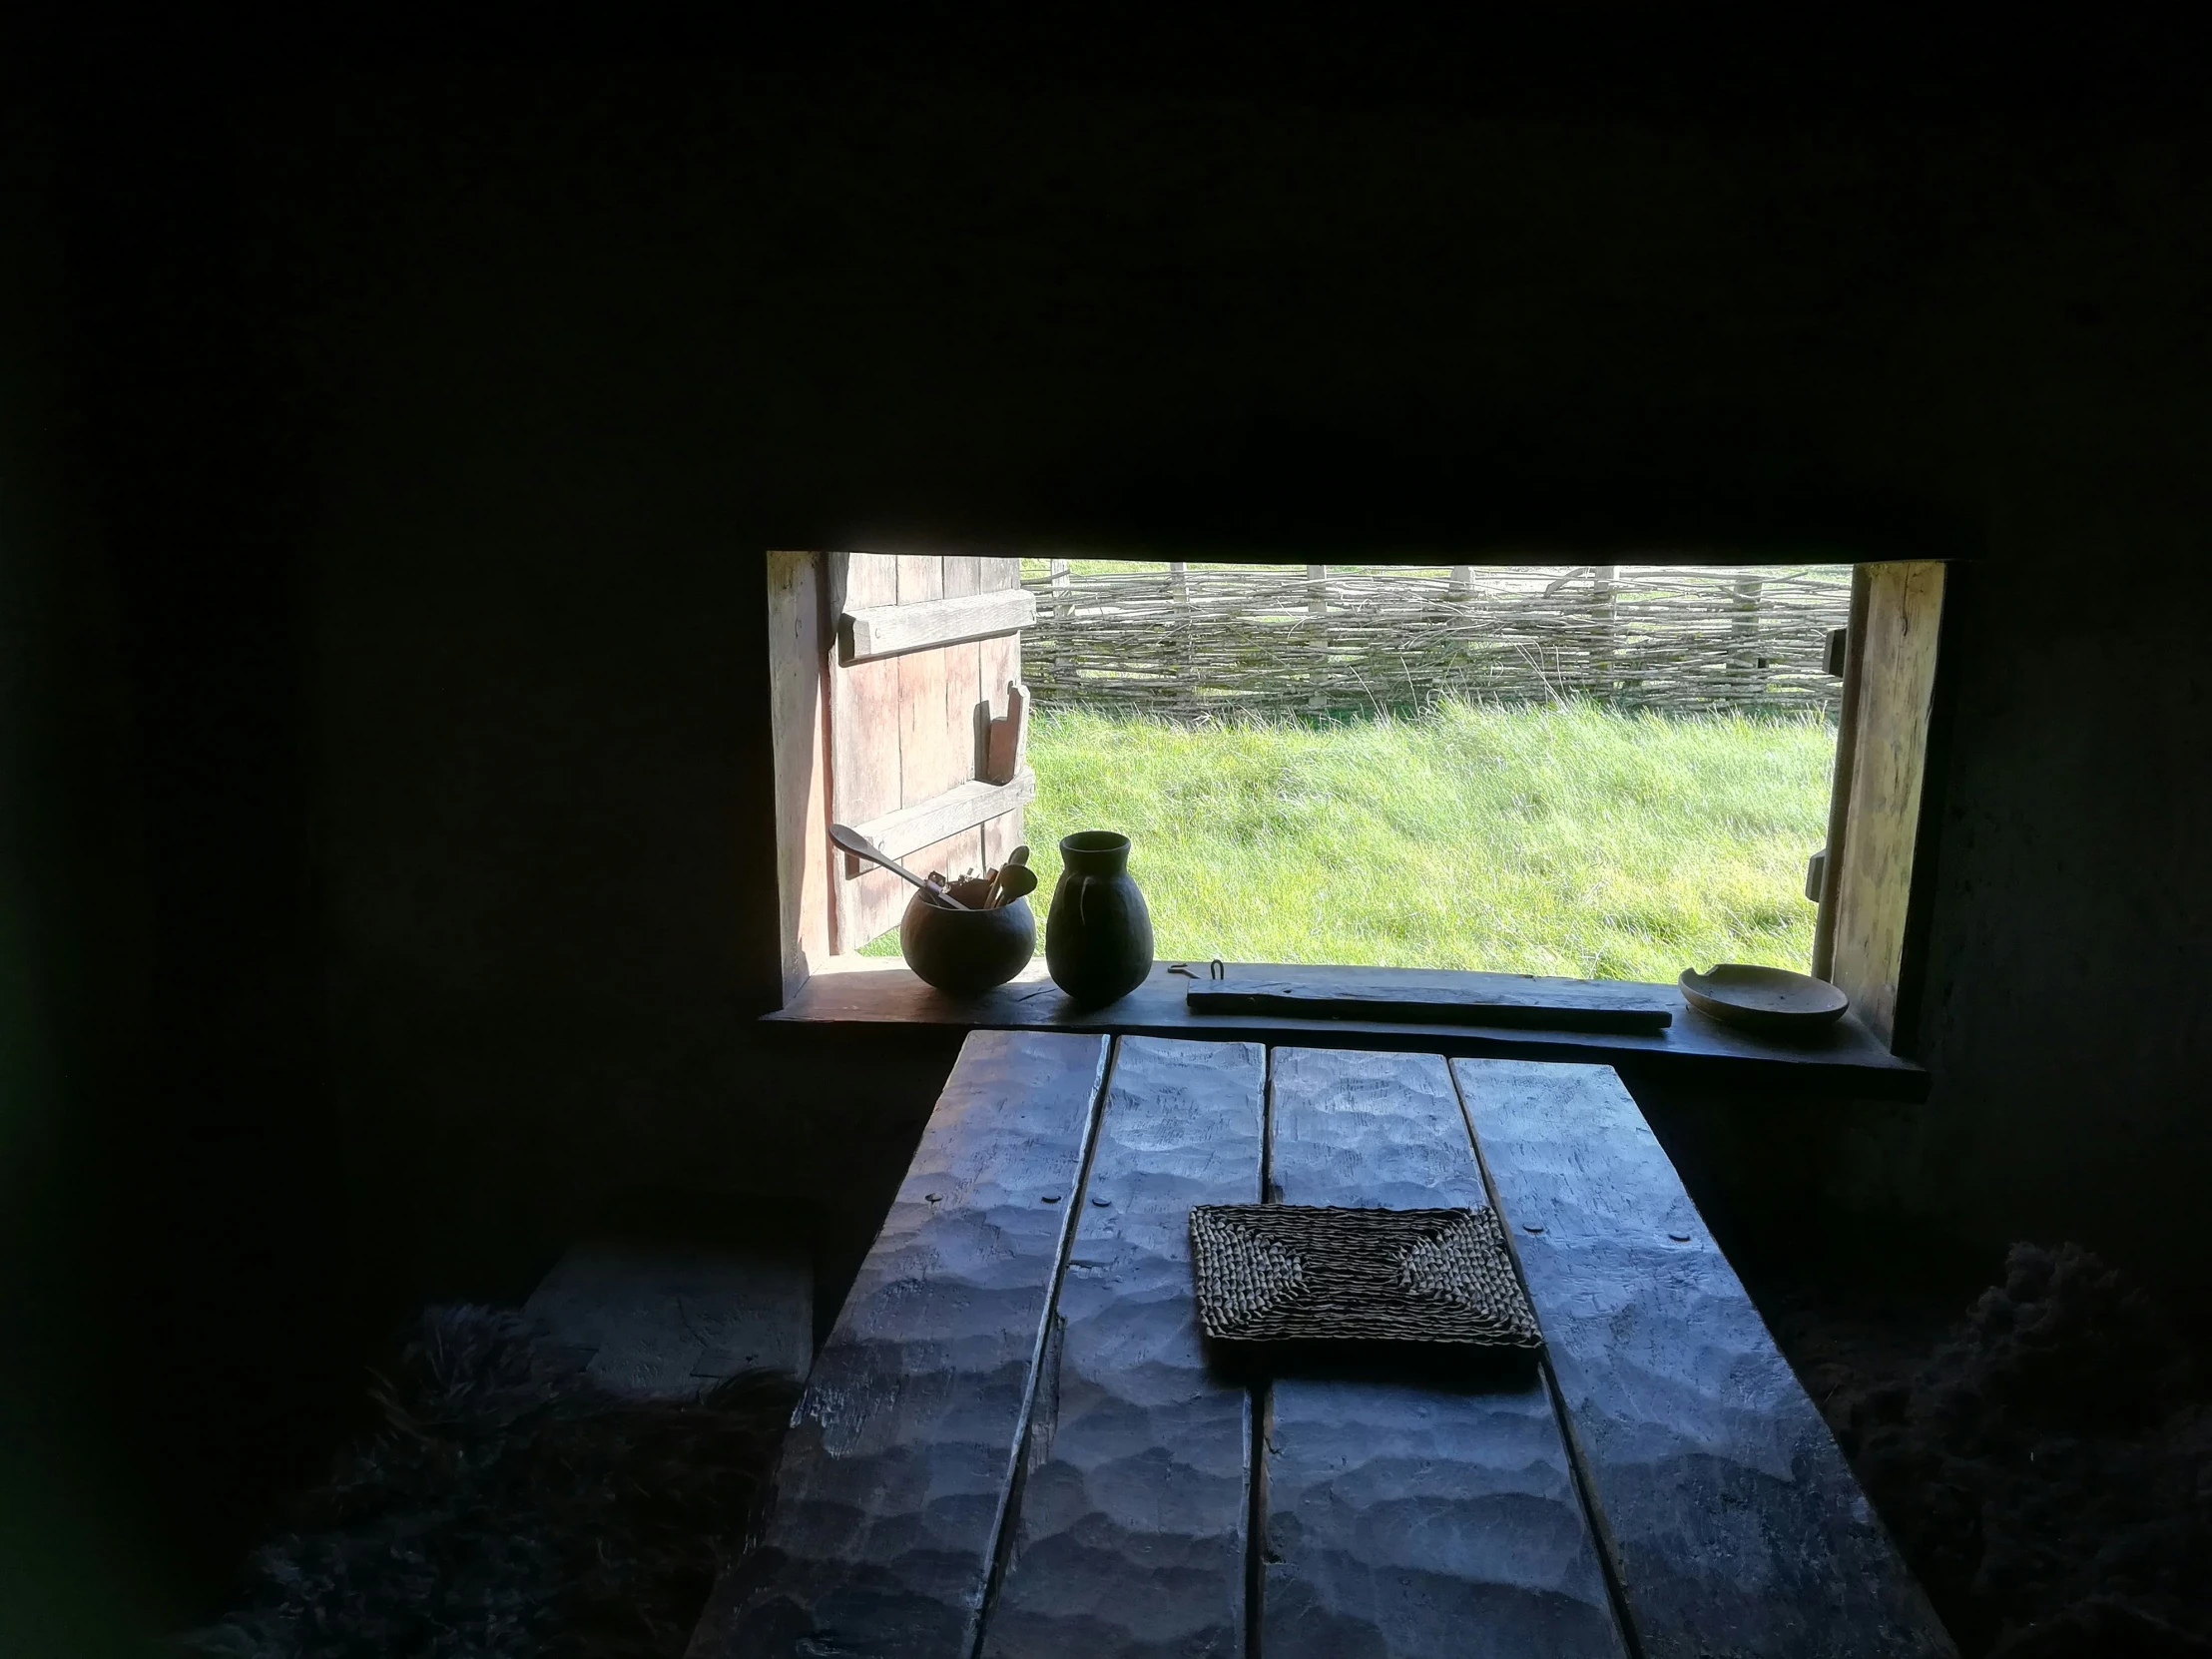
54	1524
2066	996
173	1183
542	720
575	346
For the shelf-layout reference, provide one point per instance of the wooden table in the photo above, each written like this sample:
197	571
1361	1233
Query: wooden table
1014	1442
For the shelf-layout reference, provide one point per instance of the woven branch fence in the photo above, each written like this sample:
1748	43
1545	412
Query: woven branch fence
1196	642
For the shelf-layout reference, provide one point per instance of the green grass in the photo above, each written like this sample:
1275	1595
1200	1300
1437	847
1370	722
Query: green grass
1566	841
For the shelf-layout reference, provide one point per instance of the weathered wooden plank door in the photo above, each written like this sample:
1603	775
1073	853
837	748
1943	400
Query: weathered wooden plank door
1735	1530
1129	1540
1402	1518
907	728
893	1480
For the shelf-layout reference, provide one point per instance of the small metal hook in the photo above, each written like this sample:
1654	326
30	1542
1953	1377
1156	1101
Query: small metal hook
1216	969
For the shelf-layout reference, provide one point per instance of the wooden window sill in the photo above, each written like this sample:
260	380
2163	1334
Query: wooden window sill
864	998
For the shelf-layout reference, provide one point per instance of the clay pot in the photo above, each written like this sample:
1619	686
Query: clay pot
964	953
1098	936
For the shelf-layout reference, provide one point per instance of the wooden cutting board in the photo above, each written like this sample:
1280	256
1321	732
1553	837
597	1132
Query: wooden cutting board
1547	1008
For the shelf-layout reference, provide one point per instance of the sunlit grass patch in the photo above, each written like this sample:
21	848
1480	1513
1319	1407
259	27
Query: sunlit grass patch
1571	840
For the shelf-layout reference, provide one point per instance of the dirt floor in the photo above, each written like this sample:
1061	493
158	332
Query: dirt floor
2036	1432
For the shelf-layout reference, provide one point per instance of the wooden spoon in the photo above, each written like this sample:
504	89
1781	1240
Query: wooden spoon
1014	881
853	841
1014	860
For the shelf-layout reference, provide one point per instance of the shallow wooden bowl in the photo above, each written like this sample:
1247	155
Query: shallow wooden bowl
1769	999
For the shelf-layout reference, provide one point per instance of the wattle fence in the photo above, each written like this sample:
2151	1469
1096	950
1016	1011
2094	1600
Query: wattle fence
1195	641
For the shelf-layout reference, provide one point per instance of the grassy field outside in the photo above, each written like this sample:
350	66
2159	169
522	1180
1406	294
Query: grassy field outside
1563	840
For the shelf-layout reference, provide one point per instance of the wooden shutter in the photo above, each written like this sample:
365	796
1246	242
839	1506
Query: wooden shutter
925	648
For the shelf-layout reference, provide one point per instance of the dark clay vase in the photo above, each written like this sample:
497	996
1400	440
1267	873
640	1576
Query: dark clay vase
964	953
1098	936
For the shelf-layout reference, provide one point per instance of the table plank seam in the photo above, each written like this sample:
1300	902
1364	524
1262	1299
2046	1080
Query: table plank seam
1047	1350
1261	1410
1256	1519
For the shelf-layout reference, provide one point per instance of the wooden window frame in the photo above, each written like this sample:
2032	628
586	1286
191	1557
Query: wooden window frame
1876	871
1878	868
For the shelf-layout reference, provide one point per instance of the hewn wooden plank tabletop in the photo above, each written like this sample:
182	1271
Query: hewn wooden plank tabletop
1735	1525
1015	1443
1404	1517
895	1474
1129	1540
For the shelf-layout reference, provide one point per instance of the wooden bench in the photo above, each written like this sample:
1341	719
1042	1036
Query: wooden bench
1015	1443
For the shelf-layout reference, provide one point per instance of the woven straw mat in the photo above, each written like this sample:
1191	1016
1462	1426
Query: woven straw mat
1287	1273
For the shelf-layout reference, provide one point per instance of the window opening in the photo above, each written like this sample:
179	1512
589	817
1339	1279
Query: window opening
1607	771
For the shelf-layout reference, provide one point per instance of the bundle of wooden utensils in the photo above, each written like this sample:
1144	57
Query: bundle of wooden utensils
1001	887
1011	880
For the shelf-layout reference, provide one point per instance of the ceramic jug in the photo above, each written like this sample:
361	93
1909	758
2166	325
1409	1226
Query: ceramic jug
1098	936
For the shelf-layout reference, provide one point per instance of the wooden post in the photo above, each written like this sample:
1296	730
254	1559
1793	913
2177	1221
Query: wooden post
1602	681
1062	605
1458	601
1179	595
1317	619
1745	669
